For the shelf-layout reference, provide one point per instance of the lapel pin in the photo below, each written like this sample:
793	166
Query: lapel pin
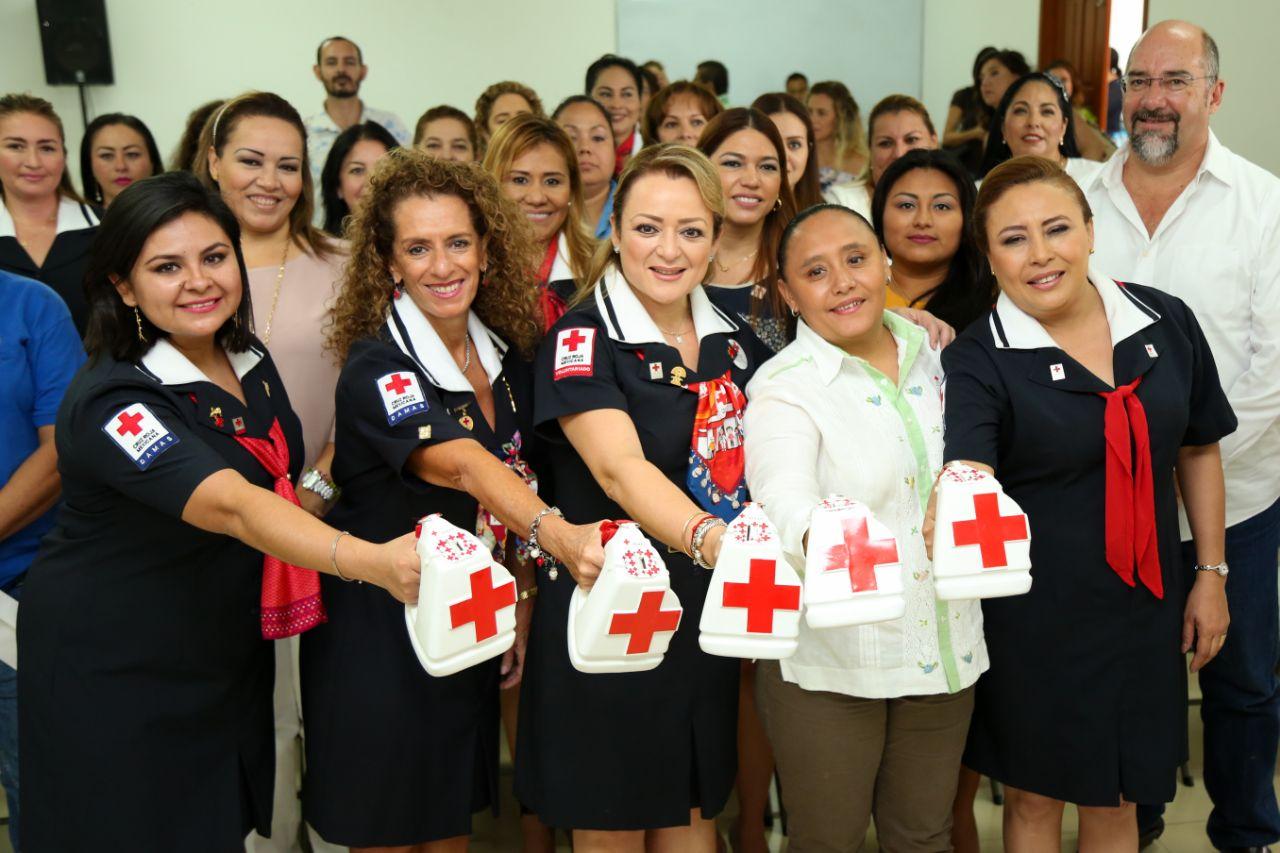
1056	372
266	387
238	425
678	374
424	432
655	370
1151	350
215	415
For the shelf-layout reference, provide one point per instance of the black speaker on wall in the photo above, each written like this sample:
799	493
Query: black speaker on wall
77	49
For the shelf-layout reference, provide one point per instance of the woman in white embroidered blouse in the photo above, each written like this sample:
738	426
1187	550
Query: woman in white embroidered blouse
853	407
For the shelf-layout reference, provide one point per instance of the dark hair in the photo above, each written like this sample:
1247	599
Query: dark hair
796	75
808	188
445	111
808	213
92	190
1011	59
997	150
611	60
320	48
1017	172
656	111
714	74
983	55
583	99
335	209
223	123
184	155
138	212
1077	93
649	81
968	289
1114	59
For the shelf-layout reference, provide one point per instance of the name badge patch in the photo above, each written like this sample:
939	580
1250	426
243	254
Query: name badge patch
575	352
140	434
401	396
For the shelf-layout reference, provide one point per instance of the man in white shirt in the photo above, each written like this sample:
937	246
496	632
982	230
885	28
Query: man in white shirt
340	68
1177	210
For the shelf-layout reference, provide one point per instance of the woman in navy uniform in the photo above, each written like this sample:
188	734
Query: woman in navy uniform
46	229
1083	395
435	324
145	679
628	386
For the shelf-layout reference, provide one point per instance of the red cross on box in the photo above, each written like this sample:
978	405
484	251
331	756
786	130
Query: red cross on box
574	340
761	596
647	620
483	605
860	554
129	424
990	530
398	383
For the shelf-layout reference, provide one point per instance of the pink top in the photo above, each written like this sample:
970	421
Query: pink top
309	371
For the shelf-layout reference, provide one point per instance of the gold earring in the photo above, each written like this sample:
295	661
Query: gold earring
137	318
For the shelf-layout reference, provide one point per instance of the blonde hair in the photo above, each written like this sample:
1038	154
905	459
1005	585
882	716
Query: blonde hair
675	161
507	297
215	135
891	105
14	104
484	106
851	139
518	136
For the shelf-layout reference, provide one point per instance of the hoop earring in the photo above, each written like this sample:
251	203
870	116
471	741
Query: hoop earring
137	318
794	312
777	204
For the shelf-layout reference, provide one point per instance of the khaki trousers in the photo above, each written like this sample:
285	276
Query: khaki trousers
843	760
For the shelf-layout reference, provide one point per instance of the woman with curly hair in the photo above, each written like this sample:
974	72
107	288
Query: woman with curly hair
499	104
434	324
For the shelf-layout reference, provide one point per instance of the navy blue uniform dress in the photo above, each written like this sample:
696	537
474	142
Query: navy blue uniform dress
1086	697
636	750
145	713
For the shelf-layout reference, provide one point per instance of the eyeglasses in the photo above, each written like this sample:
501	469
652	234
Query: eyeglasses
1174	84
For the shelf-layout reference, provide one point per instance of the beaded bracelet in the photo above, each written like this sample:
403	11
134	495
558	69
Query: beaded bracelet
540	557
699	536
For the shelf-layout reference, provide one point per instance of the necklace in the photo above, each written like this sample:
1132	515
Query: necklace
466	364
727	267
679	336
275	300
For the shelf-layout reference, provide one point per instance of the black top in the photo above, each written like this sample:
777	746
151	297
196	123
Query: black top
1017	402
738	300
64	267
145	684
670	732
424	754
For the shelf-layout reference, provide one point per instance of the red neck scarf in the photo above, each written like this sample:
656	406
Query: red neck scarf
1131	504
716	461
290	596
623	152
553	307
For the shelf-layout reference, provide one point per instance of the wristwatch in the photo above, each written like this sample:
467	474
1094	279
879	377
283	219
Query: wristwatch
314	481
1220	569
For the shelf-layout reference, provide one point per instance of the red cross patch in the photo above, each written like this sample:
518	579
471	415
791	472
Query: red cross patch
575	352
402	395
140	434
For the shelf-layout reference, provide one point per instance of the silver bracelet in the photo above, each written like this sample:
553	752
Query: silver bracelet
314	480
699	536
540	556
333	555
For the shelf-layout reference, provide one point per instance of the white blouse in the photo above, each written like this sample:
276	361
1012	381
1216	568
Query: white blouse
820	422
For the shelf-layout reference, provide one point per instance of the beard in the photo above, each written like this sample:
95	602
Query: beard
331	87
1152	147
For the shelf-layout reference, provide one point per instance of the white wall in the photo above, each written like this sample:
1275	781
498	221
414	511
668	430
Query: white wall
1245	32
954	32
171	55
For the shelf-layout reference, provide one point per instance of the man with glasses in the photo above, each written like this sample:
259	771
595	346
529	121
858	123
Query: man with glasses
1177	210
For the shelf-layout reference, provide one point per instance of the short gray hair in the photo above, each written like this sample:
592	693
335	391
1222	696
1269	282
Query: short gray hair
1210	55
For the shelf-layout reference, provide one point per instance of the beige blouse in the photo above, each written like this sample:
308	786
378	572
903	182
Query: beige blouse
296	344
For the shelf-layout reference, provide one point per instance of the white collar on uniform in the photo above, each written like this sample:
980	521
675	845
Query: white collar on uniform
1217	162
561	269
633	323
432	355
72	216
1126	316
167	363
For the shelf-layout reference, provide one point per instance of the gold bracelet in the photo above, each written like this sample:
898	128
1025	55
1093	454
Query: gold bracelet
531	592
684	531
333	555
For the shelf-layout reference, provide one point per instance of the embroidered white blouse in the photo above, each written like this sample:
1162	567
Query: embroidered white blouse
819	422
